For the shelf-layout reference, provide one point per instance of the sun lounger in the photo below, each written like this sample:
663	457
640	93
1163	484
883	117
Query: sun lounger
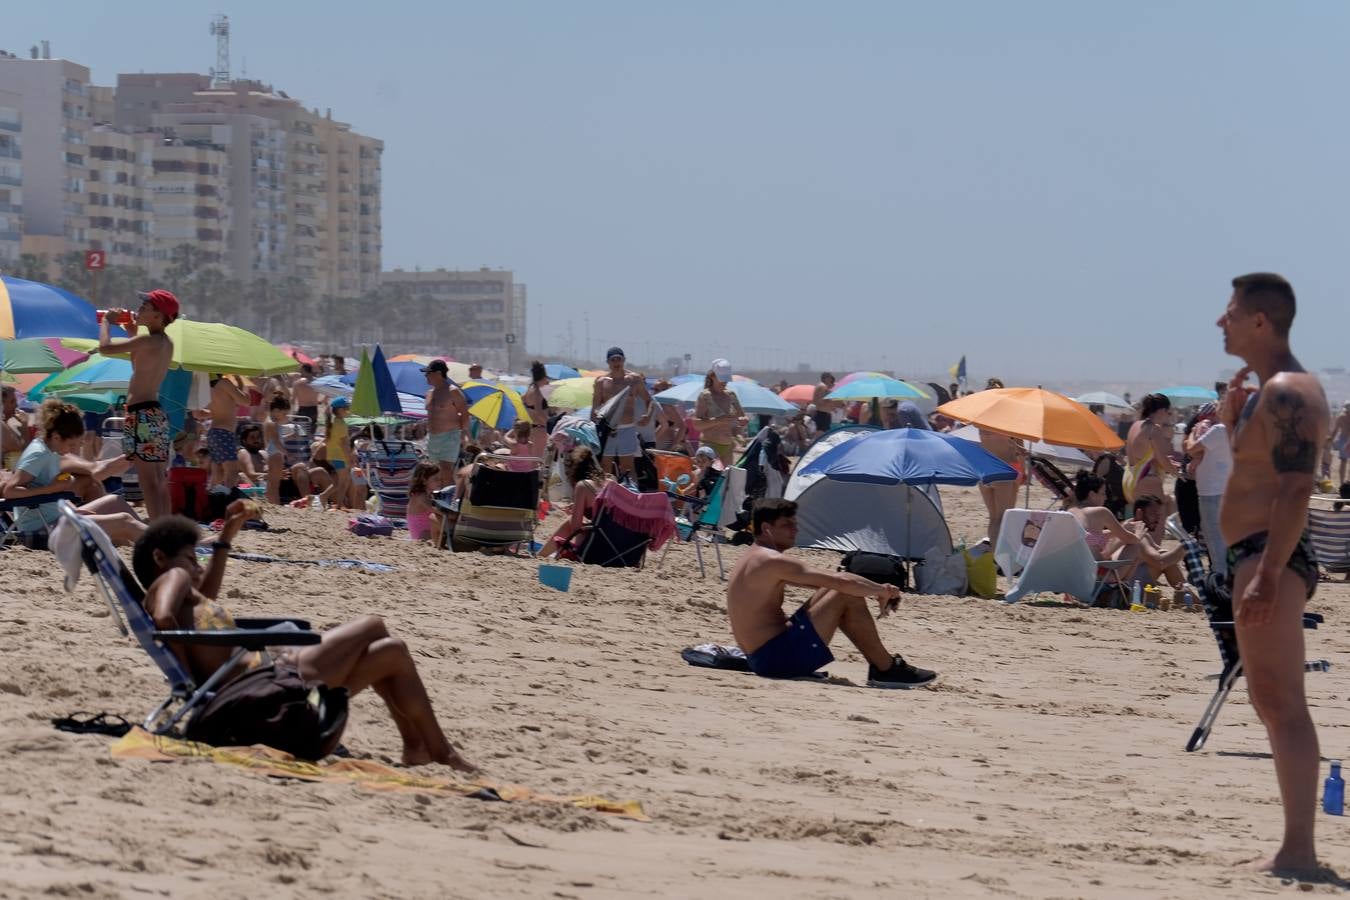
1045	551
388	466
501	508
704	527
1218	604
124	596
9	520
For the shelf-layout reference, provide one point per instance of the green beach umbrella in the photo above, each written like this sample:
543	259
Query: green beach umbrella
571	393
219	348
365	402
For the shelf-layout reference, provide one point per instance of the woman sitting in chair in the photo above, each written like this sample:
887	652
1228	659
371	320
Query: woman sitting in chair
1107	538
587	480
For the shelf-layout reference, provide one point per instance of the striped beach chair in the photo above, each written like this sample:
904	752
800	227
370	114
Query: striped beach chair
1329	530
389	465
501	508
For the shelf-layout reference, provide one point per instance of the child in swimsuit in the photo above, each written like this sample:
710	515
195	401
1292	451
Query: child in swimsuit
422	525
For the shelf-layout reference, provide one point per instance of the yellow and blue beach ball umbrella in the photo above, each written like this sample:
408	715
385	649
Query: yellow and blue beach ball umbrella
493	405
31	309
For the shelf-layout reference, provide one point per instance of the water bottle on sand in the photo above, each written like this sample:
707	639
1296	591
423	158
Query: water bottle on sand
1333	791
1137	597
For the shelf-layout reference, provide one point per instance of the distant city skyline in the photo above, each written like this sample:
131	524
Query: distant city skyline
1057	188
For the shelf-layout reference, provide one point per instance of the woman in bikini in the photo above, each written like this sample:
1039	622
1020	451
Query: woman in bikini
717	416
1147	453
538	407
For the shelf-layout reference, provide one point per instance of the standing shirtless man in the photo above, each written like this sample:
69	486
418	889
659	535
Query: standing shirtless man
1277	430
1340	439
228	393
304	398
145	430
824	414
622	446
447	420
780	647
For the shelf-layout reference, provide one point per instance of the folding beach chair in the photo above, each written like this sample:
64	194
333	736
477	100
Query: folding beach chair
704	528
1051	478
389	466
502	504
125	596
1329	530
1218	601
623	526
9	520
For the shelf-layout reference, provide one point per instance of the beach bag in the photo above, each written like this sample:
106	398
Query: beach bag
982	574
941	573
273	705
187	493
370	525
879	567
218	501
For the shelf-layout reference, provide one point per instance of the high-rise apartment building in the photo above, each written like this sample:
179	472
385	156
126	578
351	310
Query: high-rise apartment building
11	178
53	106
117	205
305	188
189	189
479	314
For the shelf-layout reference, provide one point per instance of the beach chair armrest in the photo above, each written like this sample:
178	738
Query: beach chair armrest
42	500
1310	622
261	624
249	639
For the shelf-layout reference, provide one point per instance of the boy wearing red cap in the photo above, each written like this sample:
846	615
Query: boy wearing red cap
145	431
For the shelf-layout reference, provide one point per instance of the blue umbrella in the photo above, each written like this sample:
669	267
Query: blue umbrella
558	370
1188	395
754	399
910	456
885	388
686	378
33	309
408	378
414	405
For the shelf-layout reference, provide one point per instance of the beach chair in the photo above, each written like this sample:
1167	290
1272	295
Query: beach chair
501	508
389	466
704	528
124	596
623	526
1218	603
1052	479
1329	530
9	521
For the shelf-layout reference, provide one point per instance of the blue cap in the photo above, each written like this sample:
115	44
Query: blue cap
339	403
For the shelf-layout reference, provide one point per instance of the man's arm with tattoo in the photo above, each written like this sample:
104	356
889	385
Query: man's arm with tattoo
1293	425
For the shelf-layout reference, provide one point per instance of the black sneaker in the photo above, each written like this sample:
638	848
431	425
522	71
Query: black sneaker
900	675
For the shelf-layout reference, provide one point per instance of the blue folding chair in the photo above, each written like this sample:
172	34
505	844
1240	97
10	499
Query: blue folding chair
124	596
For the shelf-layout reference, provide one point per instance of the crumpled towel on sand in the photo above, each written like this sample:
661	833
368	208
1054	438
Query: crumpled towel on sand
140	744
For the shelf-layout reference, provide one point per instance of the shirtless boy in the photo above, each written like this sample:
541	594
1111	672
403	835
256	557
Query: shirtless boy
447	419
145	431
779	647
622	446
1277	430
222	441
824	414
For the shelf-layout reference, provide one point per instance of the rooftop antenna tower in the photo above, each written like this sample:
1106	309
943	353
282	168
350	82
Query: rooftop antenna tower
220	27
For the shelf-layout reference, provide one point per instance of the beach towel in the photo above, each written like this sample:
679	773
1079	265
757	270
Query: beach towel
647	514
374	776
361	564
64	543
716	656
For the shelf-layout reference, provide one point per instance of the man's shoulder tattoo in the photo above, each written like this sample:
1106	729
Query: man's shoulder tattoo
1293	447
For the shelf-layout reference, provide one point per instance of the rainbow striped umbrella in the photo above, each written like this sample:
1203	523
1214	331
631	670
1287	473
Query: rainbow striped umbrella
31	309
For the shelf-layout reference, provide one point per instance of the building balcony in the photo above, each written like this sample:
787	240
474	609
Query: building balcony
11	180
16	208
10	126
10	236
11	153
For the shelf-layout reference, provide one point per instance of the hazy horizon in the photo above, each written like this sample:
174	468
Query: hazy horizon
1048	188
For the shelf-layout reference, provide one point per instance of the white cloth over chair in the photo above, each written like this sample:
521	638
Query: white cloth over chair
1044	551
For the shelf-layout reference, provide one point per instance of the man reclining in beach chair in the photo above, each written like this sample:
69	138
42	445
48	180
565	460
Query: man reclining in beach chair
778	647
357	655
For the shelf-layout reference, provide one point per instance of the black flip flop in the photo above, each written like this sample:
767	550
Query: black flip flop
93	723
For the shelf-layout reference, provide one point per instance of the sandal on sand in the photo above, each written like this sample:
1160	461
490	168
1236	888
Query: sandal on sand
93	723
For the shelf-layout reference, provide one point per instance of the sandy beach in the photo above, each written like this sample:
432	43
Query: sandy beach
1046	762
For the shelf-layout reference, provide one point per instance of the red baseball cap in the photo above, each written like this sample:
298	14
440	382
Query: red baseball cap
162	300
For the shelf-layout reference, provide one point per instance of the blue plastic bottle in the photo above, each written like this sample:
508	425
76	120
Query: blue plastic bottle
1333	791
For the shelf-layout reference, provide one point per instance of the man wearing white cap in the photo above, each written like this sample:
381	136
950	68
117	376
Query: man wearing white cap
718	414
621	445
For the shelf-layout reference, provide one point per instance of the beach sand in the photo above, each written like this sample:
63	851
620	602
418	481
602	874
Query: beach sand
1047	762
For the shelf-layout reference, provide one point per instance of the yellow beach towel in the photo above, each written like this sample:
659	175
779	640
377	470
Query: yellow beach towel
140	744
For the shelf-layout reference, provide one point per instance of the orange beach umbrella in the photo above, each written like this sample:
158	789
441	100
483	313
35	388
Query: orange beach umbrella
1035	414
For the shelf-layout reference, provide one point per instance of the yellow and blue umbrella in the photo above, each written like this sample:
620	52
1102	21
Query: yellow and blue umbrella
30	309
495	406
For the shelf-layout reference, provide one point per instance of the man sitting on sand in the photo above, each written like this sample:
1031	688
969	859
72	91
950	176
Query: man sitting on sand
779	647
181	594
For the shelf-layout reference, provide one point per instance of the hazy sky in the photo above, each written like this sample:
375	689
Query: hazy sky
1048	188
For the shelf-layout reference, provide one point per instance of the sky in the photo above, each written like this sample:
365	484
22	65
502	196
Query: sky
1051	189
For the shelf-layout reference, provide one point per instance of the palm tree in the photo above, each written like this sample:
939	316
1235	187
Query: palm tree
32	266
184	261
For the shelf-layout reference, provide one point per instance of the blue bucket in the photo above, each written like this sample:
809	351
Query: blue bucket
557	577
